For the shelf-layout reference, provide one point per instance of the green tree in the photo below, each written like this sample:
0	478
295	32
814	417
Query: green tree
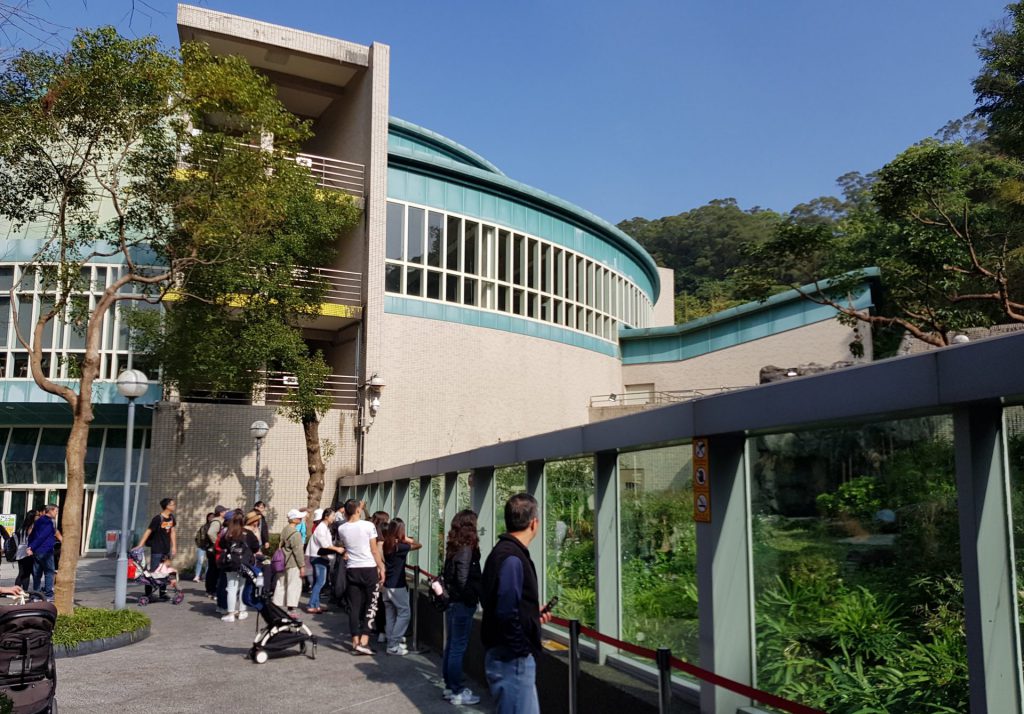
939	220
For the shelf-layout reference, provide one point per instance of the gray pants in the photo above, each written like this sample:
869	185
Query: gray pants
397	611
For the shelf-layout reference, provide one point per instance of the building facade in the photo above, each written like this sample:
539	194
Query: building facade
488	309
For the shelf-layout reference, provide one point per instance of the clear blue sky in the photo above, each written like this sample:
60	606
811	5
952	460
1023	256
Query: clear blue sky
650	108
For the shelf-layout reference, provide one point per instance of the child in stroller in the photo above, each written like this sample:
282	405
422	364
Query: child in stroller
282	631
161	577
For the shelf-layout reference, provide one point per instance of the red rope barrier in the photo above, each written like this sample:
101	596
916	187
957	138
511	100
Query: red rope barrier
695	671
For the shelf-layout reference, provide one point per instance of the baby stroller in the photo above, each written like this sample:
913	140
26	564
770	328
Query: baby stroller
282	631
154	578
28	673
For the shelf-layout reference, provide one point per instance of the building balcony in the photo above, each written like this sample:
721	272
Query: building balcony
343	389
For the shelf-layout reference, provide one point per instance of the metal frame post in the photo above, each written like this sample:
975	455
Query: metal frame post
986	552
725	582
256	495
427	516
482	501
607	553
663	657
536	484
121	575
574	666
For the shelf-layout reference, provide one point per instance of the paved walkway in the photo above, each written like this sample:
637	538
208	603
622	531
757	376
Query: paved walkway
194	662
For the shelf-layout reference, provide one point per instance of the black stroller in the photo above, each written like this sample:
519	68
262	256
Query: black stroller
28	673
282	631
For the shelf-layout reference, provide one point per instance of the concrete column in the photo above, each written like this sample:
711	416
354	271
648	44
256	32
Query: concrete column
607	551
725	583
986	551
536	482
482	501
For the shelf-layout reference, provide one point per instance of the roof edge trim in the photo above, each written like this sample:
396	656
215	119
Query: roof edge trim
439	141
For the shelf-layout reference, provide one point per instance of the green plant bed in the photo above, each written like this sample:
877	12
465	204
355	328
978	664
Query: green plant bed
91	623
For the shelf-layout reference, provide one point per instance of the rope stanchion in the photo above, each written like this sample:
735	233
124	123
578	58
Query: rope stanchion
574	666
663	658
697	672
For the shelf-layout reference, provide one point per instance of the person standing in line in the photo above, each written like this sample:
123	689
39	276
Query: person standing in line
24	558
397	546
201	536
162	536
512	611
40	547
462	578
288	588
320	541
380	521
364	573
264	530
212	534
238	547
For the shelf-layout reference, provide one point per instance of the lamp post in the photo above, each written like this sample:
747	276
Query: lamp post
131	384
258	430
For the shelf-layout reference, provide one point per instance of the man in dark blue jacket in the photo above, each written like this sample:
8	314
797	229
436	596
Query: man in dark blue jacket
512	613
40	547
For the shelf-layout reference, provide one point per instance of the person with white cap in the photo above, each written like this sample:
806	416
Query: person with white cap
286	594
318	550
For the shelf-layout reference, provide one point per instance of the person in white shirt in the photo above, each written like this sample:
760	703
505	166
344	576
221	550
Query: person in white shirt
320	542
364	572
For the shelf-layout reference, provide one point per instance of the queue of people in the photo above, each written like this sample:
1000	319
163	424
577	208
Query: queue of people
362	563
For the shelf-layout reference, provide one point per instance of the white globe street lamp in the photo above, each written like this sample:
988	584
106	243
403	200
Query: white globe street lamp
131	384
258	430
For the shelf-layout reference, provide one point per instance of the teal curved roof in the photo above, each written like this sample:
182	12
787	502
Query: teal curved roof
405	134
468	167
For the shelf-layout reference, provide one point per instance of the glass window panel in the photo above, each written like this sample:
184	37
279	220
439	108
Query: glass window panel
581	279
531	264
531	305
570	277
503	248
517	259
452	240
462	494
469	296
857	566
451	292
559	271
434	285
469	247
46	304
113	457
6	277
509	480
556	316
590	284
412	528
487	248
414	282
570	316
440	528
659	550
76	333
435	238
19	507
107	514
545	268
393	278
503	298
25	317
567	513
518	305
545	308
5	320
414	235
487	298
50	460
395	230
20	452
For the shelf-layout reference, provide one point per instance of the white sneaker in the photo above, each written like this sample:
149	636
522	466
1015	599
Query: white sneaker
465	697
398	650
447	694
228	618
241	615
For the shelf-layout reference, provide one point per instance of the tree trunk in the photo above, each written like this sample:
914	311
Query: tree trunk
71	517
314	462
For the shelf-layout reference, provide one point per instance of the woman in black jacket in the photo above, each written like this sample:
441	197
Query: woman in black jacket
462	577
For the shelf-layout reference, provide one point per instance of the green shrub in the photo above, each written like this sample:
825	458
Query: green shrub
90	623
858	498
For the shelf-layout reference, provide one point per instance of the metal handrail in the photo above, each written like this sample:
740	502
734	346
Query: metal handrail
343	389
343	287
668	396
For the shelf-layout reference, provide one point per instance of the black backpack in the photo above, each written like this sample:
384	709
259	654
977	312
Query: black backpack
233	555
11	549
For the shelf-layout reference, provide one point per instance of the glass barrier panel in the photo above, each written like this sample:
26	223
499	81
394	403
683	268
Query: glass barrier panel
438	529
858	584
508	481
659	550
462	494
1013	417
567	513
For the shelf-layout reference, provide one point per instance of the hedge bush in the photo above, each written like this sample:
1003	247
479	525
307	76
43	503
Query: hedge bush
91	623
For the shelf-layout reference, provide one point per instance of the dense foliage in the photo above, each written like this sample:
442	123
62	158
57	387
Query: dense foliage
92	623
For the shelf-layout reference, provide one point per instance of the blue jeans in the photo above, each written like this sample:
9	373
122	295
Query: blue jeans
42	570
459	618
200	563
513	683
320	568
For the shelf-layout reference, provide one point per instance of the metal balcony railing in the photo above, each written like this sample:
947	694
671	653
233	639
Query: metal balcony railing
671	396
343	389
343	287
